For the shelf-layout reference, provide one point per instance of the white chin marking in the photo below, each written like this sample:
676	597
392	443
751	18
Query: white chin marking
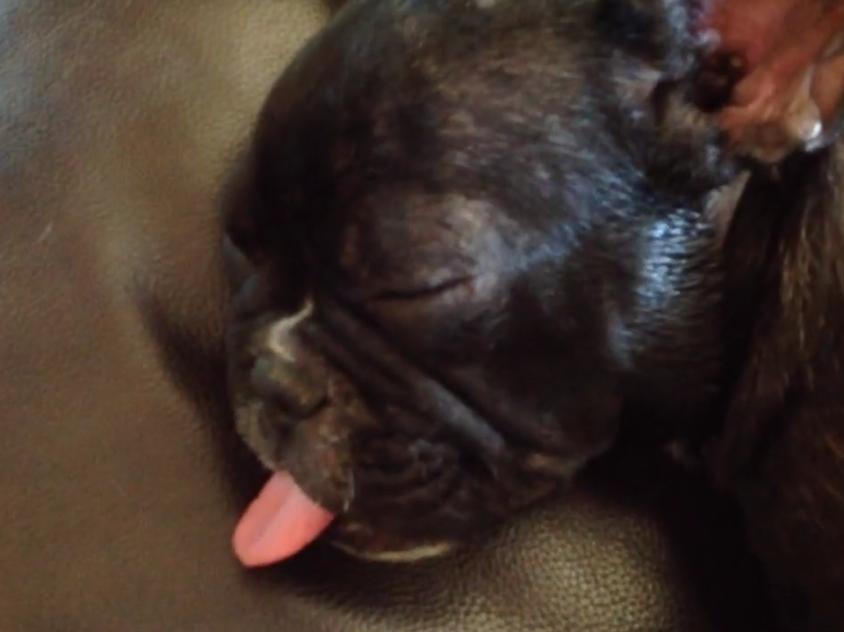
423	552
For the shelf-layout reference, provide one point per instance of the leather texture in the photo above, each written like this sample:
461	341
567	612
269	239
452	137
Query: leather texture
120	478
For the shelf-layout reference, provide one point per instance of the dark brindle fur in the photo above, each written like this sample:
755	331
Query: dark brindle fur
495	221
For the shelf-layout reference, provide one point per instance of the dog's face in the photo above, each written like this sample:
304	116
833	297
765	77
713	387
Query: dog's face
457	271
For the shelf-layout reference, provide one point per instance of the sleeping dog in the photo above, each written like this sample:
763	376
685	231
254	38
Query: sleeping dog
479	240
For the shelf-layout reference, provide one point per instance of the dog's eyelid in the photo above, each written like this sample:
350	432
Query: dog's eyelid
420	293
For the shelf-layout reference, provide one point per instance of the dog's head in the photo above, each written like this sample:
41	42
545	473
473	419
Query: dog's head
471	239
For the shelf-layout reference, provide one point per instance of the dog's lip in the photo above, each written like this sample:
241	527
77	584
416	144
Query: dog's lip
280	522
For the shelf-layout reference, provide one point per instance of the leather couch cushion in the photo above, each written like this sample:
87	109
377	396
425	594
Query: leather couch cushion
119	475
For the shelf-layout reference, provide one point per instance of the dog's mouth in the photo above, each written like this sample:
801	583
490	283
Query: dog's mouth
280	522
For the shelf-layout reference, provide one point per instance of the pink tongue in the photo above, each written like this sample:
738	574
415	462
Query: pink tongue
279	523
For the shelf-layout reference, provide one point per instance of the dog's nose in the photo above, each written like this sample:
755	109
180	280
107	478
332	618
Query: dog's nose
285	373
294	389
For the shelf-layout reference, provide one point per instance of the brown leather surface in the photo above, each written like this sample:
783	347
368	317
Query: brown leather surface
119	478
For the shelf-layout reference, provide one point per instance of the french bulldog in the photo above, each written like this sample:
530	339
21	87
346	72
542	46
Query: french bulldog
477	241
